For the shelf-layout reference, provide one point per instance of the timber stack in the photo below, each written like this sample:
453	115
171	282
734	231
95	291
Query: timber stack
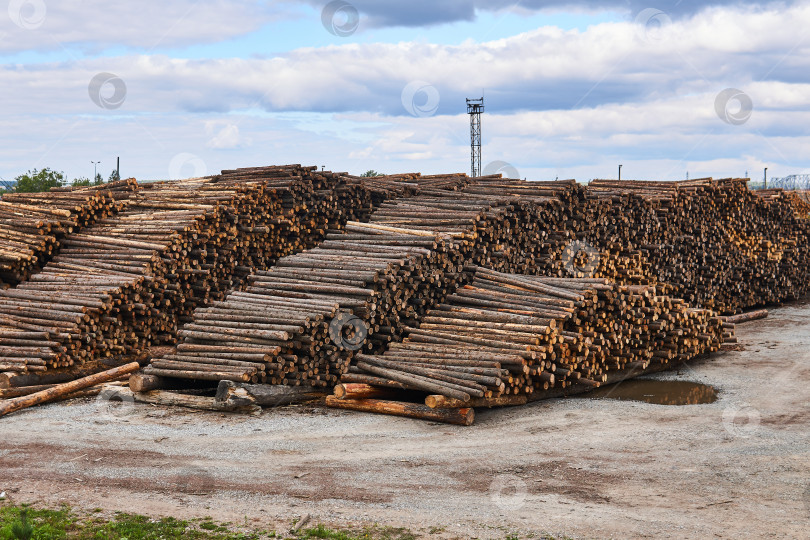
290	275
508	338
33	224
127	282
716	243
300	322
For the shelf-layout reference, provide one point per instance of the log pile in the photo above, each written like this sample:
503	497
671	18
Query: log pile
180	260
716	243
301	321
33	224
511	335
127	282
557	229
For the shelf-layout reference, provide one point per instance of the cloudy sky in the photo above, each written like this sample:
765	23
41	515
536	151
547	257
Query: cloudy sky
572	89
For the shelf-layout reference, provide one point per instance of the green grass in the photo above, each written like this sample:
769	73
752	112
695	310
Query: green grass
48	524
65	523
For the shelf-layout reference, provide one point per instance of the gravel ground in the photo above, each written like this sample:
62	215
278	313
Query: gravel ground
585	468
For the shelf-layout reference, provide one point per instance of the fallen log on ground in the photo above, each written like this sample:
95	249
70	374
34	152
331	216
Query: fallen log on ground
745	317
461	417
139	382
24	390
443	402
230	393
174	399
45	396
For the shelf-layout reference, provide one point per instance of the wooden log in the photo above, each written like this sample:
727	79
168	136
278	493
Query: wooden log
232	393
443	402
44	396
462	417
749	316
363	391
24	391
15	380
140	382
173	399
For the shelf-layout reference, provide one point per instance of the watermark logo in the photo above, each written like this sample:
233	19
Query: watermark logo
114	405
185	165
508	492
27	14
580	259
741	421
99	91
507	170
651	24
420	99
733	106
348	331
340	18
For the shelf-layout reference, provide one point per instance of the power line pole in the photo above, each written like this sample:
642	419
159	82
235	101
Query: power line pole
474	108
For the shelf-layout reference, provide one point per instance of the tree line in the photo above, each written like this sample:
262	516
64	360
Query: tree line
37	180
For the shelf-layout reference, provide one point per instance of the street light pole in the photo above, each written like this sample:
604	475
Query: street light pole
95	171
765	186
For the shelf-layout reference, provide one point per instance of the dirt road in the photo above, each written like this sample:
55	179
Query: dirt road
736	468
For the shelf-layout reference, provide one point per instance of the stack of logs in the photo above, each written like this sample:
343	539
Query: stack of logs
211	261
559	229
715	243
33	224
127	282
508	335
301	321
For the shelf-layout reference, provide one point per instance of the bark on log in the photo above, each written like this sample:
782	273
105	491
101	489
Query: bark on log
173	399
749	316
461	417
44	396
232	394
442	402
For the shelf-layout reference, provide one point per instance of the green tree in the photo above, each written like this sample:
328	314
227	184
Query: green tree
113	176
35	181
82	181
371	174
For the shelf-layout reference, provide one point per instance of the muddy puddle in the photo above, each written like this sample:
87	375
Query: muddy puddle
657	392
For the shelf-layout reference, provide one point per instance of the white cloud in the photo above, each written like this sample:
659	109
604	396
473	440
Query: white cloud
225	138
544	69
560	103
94	25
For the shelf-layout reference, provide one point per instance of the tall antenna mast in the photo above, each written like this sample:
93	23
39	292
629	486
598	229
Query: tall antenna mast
474	108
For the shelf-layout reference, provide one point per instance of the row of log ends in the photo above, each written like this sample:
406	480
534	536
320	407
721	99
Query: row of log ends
135	261
468	291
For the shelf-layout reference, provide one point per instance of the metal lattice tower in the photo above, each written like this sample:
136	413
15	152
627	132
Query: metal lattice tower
474	108
794	182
